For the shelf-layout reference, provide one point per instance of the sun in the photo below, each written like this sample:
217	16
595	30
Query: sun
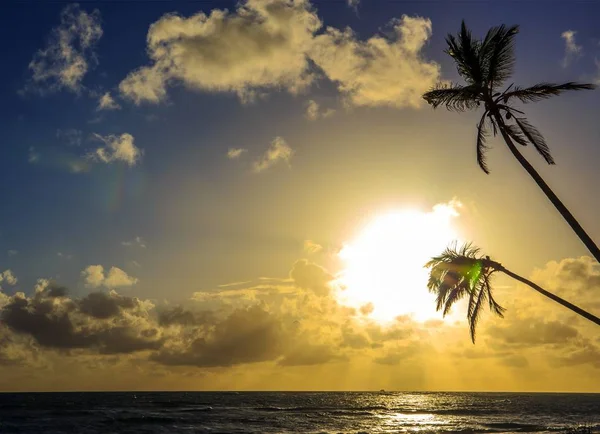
383	267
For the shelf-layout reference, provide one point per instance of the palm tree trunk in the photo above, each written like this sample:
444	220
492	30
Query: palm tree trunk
556	298
562	209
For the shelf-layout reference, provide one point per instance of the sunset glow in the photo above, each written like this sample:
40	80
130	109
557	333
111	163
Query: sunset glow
383	265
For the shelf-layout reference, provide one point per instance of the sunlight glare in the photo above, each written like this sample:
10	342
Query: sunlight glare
384	264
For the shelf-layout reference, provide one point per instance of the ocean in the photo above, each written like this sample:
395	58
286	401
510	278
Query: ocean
293	412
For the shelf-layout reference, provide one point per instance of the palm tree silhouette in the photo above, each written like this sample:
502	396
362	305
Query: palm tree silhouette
485	65
459	273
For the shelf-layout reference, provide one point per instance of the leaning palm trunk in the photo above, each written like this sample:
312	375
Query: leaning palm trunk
485	65
457	274
562	209
556	298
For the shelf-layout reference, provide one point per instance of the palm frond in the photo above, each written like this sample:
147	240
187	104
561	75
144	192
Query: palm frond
542	91
464	49
481	144
494	306
535	138
515	133
458	273
474	312
455	97
497	54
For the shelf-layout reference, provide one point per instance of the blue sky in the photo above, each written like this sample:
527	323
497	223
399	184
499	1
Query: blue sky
177	216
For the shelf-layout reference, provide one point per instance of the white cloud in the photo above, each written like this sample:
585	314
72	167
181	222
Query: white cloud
267	44
117	277
107	102
572	50
117	148
379	71
234	153
262	44
66	59
137	241
8	277
12	252
314	112
278	151
94	277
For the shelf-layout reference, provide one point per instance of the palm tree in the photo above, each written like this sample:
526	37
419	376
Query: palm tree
485	65
456	274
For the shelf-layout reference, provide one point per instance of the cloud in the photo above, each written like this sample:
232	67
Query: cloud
12	252
107	102
278	151
586	353
279	324
353	4
262	44
109	324
270	44
533	331
137	242
117	148
102	305
71	136
94	276
367	308
33	156
380	71
8	277
312	247
234	153
307	275
67	57
247	335
572	50
575	279
313	111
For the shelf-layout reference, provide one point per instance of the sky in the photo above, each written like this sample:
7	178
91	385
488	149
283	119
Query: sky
240	196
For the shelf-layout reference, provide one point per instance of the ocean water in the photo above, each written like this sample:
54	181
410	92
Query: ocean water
319	412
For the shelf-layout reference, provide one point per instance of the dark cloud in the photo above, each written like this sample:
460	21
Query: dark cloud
177	315
533	331
55	321
247	335
585	352
102	305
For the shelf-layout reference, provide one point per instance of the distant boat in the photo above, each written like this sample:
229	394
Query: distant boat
382	390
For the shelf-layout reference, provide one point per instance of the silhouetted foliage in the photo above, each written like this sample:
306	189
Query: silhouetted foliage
485	65
460	273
